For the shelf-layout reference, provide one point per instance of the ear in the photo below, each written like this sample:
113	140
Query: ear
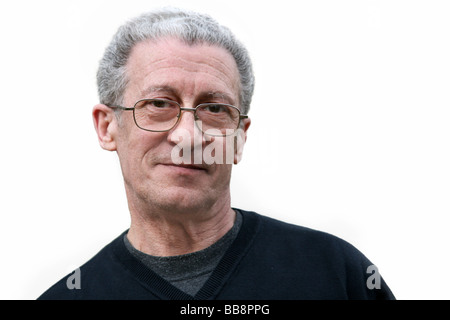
105	123
240	139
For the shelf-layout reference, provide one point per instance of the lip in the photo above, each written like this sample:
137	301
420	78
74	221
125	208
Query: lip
185	168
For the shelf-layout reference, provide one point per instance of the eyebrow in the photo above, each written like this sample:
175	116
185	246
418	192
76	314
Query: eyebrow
219	95
150	90
205	95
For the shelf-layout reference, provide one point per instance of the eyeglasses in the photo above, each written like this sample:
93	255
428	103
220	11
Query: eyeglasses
160	115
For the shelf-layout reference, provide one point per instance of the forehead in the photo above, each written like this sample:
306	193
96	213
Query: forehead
186	69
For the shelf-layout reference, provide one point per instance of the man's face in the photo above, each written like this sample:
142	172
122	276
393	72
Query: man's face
189	75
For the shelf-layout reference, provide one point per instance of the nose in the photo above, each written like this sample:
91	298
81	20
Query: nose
187	121
186	133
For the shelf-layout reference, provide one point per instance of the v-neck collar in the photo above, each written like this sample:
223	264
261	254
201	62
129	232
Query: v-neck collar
166	291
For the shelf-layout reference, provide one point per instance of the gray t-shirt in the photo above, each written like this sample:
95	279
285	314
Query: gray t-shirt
188	272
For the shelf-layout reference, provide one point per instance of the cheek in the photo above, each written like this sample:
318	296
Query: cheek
220	150
222	177
138	150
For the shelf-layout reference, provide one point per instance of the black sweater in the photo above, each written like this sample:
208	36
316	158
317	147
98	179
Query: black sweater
269	260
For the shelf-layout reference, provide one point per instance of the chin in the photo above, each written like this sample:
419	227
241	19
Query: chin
183	199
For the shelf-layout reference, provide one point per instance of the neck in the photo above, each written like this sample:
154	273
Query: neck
170	232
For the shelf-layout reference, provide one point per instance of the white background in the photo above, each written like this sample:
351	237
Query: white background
350	132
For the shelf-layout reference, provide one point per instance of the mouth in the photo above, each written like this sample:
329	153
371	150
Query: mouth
185	168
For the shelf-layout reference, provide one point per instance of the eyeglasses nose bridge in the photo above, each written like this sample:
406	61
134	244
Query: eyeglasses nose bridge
196	118
188	109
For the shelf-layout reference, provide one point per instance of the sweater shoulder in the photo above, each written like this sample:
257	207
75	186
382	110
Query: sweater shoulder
324	257
79	283
305	236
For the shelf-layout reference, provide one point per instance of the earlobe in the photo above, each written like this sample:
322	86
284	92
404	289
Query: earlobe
104	123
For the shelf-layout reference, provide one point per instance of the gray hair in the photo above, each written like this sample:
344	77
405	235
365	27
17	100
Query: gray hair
190	27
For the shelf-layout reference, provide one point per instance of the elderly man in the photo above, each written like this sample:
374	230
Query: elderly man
175	88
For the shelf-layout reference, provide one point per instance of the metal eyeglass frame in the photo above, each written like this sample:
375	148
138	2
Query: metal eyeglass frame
241	116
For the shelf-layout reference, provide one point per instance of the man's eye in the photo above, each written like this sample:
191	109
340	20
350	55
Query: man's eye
160	104
216	108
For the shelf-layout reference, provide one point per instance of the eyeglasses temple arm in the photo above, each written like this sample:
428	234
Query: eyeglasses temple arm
120	107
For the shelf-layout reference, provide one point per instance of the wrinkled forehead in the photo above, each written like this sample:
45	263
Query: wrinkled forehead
155	65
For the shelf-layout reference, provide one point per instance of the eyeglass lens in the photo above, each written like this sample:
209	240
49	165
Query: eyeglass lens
162	115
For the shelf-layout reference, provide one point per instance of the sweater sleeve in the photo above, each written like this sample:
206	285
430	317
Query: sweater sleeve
363	280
